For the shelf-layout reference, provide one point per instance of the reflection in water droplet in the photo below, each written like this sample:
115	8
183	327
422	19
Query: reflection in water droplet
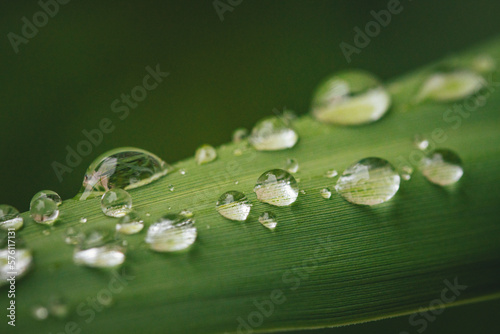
272	134
10	218
239	134
369	181
268	219
331	173
44	211
325	193
47	194
205	154
116	203
130	224
451	86
442	167
292	165
234	205
171	233
98	250
277	187
124	168
350	98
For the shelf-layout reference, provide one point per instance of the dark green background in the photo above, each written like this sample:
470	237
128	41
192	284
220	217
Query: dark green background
223	75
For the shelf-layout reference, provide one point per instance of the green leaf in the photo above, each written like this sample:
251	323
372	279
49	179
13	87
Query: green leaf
328	262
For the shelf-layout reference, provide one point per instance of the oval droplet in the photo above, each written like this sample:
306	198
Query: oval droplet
325	193
369	181
350	98
10	218
116	203
98	250
450	86
171	233
233	205
44	210
205	154
273	134
277	187
268	220
124	168
18	268
331	173
130	224
442	167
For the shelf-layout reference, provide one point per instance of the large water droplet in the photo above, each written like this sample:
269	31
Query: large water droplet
277	187
130	224
99	251
234	205
272	134
171	233
44	210
350	98
369	181
124	168
116	203
10	218
205	154
268	220
47	194
442	167
14	264
450	86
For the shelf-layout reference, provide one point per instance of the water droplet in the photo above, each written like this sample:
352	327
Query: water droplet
483	64
442	167
124	168
303	192
272	134
182	171
369	181
171	233
19	267
83	220
47	194
268	219
116	203
350	98
331	173
236	182
406	172
98	250
205	154
450	86
239	135
148	214
234	205
73	236
130	224
421	142
44	210
277	187
58	307
187	213
171	187
10	218
40	312
325	193
237	152
292	166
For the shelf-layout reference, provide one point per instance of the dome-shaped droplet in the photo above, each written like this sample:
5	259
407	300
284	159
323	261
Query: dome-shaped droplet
44	210
116	203
277	187
292	165
205	154
325	193
14	264
124	168
369	181
442	167
98	250
233	205
350	98
239	134
171	233
268	220
331	173
450	85
10	218
273	134
130	224
47	194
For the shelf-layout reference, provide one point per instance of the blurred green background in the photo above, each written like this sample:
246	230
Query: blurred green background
223	75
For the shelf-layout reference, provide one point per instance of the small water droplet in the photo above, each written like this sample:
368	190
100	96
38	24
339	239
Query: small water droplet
233	205
182	171
10	218
369	181
331	173
44	210
484	64
325	193
58	307
239	135
130	224
124	168
237	152
18	268
421	142
303	192
40	312
98	250
450	86
272	134
171	187
292	165
236	182
83	220
148	214
171	233
406	172
268	220
116	203
442	167
187	213
350	98
277	187
205	154
73	236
